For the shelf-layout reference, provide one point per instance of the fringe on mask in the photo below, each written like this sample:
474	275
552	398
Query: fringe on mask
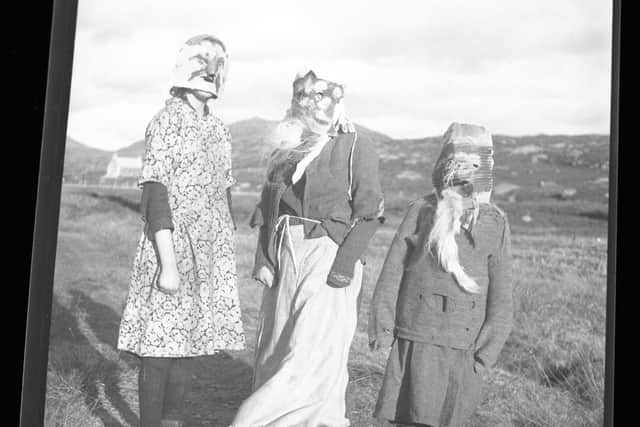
442	242
286	135
342	124
291	138
290	141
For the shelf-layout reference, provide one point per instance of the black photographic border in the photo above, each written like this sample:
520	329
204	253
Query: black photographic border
45	230
47	212
612	235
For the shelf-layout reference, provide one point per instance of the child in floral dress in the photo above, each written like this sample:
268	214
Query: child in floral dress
183	299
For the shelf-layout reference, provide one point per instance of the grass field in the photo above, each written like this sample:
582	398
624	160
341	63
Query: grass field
549	374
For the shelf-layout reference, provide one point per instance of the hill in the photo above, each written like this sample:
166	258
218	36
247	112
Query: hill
528	168
541	164
249	151
82	162
134	150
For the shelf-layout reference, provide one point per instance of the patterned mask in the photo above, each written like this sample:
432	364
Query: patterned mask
466	162
318	103
201	65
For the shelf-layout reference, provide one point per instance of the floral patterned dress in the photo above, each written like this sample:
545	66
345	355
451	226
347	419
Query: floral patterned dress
191	155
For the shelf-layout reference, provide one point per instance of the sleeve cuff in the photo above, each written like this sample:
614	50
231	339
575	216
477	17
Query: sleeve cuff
342	269
337	280
160	224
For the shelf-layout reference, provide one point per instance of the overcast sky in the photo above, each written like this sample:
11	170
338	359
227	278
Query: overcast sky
409	67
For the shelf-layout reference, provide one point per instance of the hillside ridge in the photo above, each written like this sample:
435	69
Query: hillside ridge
534	164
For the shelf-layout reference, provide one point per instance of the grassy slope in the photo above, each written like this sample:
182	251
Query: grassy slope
550	373
83	161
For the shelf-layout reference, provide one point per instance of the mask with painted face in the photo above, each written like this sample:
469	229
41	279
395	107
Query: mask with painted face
202	65
318	104
465	163
463	178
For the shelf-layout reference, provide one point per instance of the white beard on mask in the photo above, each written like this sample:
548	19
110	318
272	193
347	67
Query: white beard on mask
287	134
442	239
292	132
292	135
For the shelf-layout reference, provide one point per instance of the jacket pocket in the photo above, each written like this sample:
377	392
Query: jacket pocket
428	315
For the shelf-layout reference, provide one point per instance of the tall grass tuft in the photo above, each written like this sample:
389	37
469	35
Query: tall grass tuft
70	379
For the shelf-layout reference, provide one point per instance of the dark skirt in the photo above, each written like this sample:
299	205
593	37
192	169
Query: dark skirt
428	384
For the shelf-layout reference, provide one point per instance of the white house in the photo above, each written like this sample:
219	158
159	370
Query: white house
124	167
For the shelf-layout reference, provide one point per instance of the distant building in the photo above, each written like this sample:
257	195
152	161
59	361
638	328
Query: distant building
123	167
123	170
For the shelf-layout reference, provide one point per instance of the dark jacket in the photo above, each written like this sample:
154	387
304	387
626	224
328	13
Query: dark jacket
342	187
420	302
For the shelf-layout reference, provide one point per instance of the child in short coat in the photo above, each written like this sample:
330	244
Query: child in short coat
445	291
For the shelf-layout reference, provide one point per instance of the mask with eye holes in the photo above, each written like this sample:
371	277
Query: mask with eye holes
318	104
465	163
202	65
463	178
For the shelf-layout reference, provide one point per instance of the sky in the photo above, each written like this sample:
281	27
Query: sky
409	68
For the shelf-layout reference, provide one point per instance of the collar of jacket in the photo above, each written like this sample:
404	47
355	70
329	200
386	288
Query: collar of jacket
326	195
307	159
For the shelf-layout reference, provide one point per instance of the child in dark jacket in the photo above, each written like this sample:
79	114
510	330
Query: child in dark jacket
444	293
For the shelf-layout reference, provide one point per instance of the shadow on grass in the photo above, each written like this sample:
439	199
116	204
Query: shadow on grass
103	321
221	383
122	201
95	367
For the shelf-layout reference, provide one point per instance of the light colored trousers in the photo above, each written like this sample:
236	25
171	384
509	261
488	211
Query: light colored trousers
305	332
